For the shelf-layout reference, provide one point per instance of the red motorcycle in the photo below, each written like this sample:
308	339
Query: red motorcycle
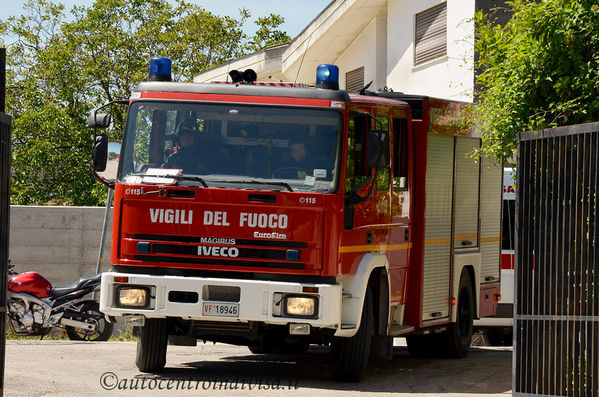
35	307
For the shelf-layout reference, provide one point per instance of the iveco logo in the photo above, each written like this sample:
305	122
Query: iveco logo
160	215
231	252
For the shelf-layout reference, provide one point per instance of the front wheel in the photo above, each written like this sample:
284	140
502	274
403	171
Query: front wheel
350	355
151	345
90	313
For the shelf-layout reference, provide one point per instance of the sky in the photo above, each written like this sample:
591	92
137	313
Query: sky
297	13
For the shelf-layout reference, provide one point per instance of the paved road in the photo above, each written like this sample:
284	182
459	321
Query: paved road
64	368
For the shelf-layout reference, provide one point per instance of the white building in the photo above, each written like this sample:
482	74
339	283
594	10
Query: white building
422	47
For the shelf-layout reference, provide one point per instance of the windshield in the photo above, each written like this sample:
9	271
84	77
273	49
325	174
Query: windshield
233	146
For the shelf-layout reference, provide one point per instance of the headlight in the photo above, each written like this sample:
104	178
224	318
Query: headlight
300	306
132	297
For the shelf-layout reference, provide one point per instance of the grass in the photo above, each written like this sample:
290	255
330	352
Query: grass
60	334
55	334
125	335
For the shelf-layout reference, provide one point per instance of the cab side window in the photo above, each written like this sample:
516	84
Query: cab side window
400	154
356	155
384	174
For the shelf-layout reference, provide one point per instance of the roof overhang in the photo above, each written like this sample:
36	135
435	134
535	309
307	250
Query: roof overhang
266	63
327	37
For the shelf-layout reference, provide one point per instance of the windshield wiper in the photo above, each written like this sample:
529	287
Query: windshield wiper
182	177
255	182
191	178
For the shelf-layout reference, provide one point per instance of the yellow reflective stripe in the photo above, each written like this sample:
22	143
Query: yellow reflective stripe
374	247
434	241
466	236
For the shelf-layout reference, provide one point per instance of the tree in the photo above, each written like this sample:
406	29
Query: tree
267	35
540	70
61	67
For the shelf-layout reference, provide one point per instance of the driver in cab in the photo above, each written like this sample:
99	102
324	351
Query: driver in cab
187	156
297	166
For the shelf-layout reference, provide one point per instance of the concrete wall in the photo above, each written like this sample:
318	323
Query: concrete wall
61	243
368	50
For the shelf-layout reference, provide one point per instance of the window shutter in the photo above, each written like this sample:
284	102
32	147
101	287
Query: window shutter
431	34
354	80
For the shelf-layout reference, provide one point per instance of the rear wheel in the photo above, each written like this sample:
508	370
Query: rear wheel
350	355
90	313
456	340
151	345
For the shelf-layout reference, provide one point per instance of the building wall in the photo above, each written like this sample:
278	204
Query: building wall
450	77
61	243
368	50
266	63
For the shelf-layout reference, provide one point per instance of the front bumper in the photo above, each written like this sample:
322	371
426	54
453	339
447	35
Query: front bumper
257	300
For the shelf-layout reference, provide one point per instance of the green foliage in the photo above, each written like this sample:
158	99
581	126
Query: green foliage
61	67
267	35
541	70
125	335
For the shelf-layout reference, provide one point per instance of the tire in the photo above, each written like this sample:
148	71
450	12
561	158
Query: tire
90	313
151	345
350	355
456	339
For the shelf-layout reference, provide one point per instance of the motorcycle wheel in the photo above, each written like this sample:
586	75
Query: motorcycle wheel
90	312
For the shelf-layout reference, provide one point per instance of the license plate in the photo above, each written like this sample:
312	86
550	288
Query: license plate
220	309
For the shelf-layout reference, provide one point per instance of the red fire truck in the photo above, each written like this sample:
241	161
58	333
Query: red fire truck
278	216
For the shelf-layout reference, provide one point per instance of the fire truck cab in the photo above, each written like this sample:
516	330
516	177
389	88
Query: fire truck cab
277	216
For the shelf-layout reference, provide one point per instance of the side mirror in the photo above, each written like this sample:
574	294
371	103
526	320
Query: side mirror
100	152
106	158
378	155
99	121
112	162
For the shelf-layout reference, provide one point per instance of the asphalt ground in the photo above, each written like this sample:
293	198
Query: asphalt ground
66	368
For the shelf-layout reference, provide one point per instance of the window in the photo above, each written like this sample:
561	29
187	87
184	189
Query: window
354	80
400	154
233	146
508	235
382	179
430	39
356	161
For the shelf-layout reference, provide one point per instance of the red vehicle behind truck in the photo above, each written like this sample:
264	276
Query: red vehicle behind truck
302	216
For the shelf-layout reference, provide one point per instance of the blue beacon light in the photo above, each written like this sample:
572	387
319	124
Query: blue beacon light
160	69
327	76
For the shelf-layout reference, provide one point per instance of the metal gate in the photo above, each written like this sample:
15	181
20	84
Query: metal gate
556	301
5	156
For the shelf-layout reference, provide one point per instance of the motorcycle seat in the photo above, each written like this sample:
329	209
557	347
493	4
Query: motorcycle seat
57	292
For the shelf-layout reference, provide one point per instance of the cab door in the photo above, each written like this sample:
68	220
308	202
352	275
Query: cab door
401	208
373	213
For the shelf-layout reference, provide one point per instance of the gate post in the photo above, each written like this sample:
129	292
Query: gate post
5	157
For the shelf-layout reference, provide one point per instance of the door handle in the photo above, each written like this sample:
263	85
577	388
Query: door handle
407	235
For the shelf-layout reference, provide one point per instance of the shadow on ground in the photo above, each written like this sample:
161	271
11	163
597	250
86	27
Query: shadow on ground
485	371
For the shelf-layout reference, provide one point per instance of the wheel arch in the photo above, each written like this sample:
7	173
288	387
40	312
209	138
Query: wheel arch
374	268
470	263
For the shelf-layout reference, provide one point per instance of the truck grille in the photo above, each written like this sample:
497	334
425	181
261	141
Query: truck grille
250	253
221	293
